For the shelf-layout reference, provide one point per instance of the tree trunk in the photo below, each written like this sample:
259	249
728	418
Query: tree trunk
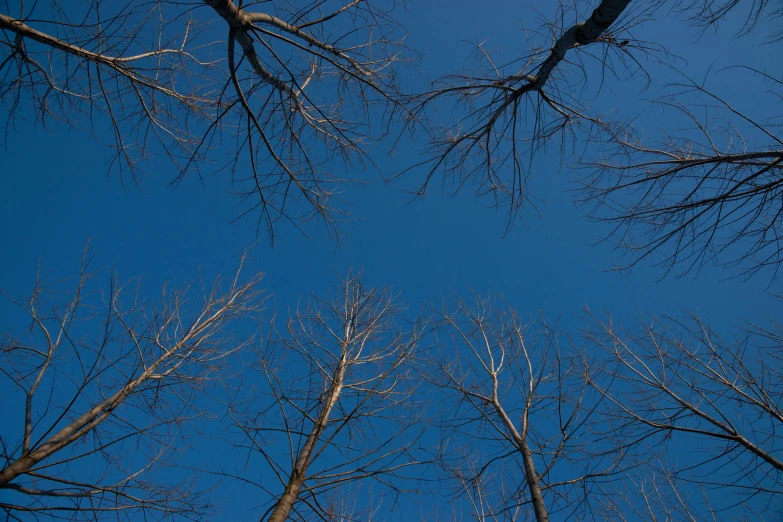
580	34
533	484
286	502
531	477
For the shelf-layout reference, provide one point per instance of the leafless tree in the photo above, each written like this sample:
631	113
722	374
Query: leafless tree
709	195
280	92
705	195
335	416
524	404
510	110
715	403
97	386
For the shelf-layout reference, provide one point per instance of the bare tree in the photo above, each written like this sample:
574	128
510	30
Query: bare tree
715	403
708	195
280	93
511	110
336	414
97	387
524	404
705	195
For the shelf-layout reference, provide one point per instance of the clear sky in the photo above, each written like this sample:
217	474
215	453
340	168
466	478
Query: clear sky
55	196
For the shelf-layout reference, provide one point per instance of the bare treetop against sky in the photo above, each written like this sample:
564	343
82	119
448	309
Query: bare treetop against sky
503	166
285	100
289	87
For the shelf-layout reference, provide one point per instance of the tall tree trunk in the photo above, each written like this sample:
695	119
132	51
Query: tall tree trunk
531	477
298	475
533	484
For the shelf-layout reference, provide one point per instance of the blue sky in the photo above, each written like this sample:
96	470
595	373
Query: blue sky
55	196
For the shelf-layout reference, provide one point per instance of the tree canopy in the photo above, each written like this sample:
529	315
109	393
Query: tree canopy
393	260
